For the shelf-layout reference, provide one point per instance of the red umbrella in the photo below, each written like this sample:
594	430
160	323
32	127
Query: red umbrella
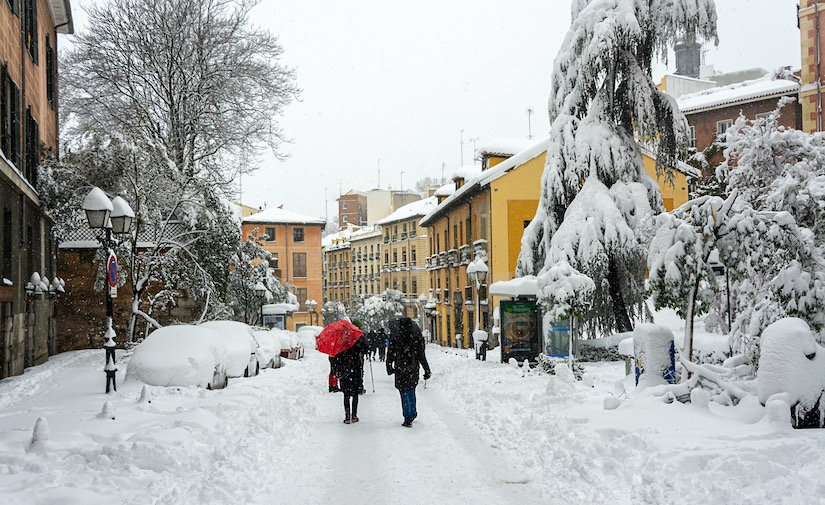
337	337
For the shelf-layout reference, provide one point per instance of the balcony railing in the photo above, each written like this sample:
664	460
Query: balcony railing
452	258
465	254
402	265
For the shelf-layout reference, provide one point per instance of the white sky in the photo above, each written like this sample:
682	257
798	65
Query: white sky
398	81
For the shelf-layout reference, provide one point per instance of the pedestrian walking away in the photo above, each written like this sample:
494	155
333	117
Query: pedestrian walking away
348	366
405	358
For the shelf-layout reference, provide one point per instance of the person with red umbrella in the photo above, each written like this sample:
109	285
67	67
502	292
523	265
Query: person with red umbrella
342	341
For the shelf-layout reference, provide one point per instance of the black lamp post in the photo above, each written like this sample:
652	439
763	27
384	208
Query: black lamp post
260	292
311	305
477	274
111	216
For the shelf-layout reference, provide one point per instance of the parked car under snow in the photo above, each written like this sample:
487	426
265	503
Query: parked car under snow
180	355
241	358
291	347
269	348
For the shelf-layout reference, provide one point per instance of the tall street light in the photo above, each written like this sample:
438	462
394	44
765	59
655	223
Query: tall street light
477	274
261	292
113	216
311	305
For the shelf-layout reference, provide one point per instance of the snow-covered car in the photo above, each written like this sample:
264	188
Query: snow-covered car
308	334
291	347
180	355
241	358
269	348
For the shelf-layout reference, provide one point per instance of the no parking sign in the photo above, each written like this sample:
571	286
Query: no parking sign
111	274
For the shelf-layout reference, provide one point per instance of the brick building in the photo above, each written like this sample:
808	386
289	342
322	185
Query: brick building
352	209
28	124
812	37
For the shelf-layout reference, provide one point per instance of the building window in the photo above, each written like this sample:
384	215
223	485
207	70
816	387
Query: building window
51	75
722	128
297	234
301	293
414	256
6	251
343	205
414	286
299	264
692	136
32	143
31	28
270	234
273	261
764	115
344	219
9	118
14	5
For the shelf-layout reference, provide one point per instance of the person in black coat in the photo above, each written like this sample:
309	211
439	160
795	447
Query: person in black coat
404	359
348	366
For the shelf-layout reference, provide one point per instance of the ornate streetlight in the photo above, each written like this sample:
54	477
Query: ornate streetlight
112	216
311	305
477	274
261	292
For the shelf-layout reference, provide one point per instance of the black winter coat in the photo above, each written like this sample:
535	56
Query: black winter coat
406	353
348	366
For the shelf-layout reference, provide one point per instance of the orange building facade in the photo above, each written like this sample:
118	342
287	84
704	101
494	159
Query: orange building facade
294	241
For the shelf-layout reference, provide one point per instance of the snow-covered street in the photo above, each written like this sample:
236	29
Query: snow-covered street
486	433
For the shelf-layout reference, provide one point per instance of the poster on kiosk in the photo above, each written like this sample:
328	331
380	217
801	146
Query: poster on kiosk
520	330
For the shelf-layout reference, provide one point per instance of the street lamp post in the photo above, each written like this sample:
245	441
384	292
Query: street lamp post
477	274
311	305
112	216
260	292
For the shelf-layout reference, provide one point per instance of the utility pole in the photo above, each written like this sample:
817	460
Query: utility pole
379	173
474	140
529	126
443	166
326	207
462	147
402	180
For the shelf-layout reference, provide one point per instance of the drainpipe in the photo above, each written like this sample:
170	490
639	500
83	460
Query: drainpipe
818	71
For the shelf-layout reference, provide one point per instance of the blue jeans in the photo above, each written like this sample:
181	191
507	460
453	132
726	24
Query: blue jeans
408	403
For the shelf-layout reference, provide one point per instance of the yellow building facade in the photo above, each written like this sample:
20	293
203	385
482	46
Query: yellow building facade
404	248
485	218
365	251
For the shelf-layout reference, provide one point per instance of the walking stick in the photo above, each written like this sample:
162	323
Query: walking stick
372	378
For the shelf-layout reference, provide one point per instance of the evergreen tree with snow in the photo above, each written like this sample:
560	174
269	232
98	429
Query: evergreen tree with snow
597	201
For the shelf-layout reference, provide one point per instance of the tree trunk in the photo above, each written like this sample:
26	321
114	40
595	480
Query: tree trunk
623	322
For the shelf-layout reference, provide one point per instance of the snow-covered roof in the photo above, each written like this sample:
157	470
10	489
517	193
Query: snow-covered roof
680	166
281	216
503	147
520	286
489	175
466	172
411	210
757	89
445	190
340	239
62	14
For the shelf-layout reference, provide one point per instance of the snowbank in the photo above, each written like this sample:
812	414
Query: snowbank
791	362
179	355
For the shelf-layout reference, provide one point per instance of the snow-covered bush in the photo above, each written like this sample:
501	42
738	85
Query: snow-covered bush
547	364
792	365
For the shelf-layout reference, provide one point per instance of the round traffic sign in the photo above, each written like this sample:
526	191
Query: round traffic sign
111	270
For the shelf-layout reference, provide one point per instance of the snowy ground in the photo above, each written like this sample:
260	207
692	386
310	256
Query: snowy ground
485	434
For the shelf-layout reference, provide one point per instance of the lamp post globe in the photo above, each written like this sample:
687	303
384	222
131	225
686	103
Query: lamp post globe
121	216
98	207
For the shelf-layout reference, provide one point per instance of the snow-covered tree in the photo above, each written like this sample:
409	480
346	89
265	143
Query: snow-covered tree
193	78
248	267
376	311
776	268
778	169
333	311
597	200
